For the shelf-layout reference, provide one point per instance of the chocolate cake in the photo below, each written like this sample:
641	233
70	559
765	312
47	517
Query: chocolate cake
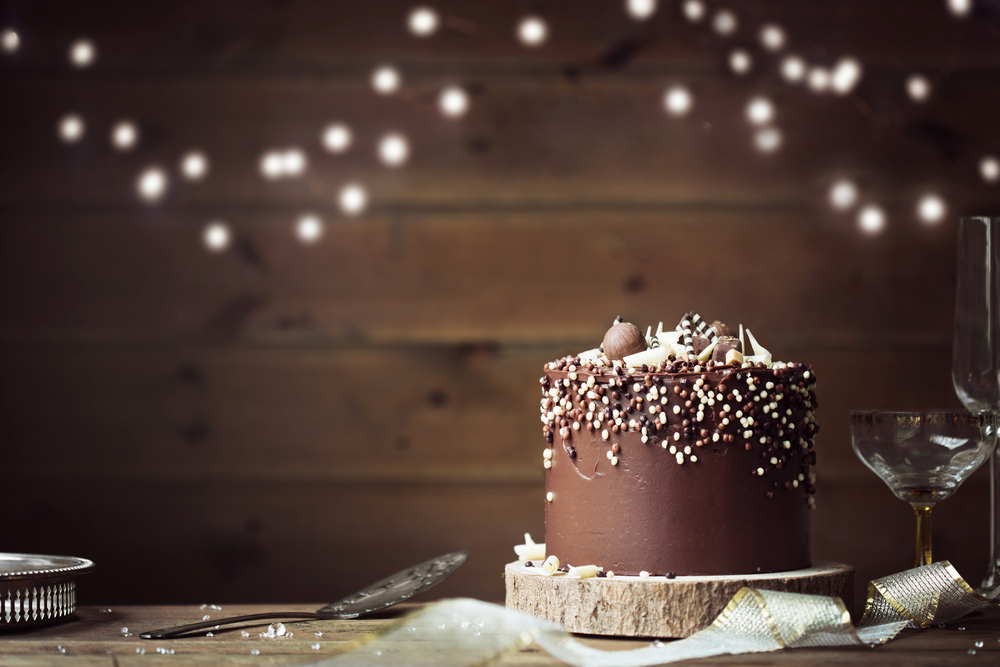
674	454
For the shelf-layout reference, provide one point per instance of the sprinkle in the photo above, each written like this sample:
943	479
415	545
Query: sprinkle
547	464
760	471
644	574
747	434
549	496
680	458
547	453
644	439
774	460
677	409
611	574
610	454
664	444
694	459
604	434
677	435
614	460
673	449
715	437
687	450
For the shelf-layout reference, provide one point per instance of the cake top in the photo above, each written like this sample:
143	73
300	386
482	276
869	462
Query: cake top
693	346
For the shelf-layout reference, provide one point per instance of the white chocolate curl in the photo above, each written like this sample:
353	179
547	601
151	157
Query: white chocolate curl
759	353
529	550
650	357
583	572
550	566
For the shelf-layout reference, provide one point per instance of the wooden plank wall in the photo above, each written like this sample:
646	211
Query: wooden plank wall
283	422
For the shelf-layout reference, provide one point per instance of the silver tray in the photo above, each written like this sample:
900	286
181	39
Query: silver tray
37	589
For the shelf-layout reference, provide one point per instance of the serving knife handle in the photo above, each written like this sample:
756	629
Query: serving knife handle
167	633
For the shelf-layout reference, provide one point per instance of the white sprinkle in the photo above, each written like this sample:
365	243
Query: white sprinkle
604	434
673	449
644	574
547	464
547	453
663	417
763	440
795	483
694	459
687	450
787	444
760	471
725	421
774	461
701	415
715	437
747	434
610	454
611	574
769	385
677	435
677	409
644	439
680	458
549	496
637	387
663	444
614	460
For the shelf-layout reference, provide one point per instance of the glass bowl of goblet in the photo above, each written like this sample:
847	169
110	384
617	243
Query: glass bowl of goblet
923	457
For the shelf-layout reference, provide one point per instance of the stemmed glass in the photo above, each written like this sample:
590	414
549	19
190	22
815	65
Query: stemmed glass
923	457
976	353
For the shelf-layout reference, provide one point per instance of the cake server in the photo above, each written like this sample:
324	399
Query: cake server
392	590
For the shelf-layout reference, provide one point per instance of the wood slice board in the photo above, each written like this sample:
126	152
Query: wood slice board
656	606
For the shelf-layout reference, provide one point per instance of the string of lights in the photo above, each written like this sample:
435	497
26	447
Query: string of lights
393	148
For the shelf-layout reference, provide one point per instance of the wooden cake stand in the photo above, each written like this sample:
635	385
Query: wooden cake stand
656	606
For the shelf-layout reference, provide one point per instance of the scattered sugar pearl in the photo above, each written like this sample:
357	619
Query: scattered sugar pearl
680	458
549	496
614	460
644	574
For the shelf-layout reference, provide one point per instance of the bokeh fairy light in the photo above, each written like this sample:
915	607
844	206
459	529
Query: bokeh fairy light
818	79
71	128
10	41
386	80
760	111
640	10
871	219
767	139
82	53
453	102
393	149
843	195
989	169
309	228
423	21
677	101
772	37
124	135
724	22
337	137
740	62
352	199
216	236
532	31
694	10
793	69
931	208
959	8
846	75
918	87
194	165
152	184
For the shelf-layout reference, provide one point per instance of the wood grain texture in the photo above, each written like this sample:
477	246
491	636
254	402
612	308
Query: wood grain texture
451	277
656	606
95	639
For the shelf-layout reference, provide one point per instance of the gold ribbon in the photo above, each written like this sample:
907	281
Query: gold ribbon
465	632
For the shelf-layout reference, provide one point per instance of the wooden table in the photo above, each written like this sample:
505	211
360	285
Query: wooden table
95	638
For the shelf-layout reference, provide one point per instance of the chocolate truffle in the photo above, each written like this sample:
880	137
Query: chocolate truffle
622	340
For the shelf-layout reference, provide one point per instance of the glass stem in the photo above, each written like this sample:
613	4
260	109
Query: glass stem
992	578
923	550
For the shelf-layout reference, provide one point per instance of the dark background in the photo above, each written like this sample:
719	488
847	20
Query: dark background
286	422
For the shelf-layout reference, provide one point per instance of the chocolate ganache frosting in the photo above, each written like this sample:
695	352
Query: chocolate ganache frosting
680	461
